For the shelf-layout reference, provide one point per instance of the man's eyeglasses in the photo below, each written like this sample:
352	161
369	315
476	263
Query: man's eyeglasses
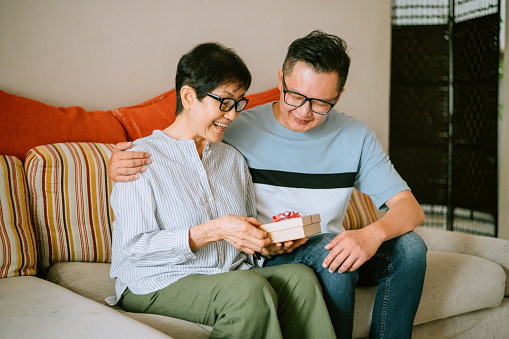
318	106
226	104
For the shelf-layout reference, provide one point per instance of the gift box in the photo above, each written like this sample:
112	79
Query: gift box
294	228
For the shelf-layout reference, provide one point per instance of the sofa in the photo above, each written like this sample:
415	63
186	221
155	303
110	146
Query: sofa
56	236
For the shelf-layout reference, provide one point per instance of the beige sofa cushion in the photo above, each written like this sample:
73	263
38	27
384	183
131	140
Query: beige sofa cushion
93	281
458	283
17	252
70	201
35	308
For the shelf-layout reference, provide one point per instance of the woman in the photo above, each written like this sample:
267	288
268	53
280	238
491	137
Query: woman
185	233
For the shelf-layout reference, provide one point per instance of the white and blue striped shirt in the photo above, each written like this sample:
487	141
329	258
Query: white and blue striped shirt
153	214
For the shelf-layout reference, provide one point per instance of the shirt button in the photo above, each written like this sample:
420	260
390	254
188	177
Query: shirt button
220	257
210	199
202	173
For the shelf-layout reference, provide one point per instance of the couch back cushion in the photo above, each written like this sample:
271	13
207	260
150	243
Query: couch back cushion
17	254
158	113
70	194
28	123
361	211
140	120
261	98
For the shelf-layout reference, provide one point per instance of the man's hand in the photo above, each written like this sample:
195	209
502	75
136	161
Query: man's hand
351	249
280	248
125	166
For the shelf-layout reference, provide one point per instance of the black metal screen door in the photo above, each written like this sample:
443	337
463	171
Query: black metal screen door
444	109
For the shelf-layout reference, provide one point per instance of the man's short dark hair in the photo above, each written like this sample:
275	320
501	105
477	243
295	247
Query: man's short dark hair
208	66
323	52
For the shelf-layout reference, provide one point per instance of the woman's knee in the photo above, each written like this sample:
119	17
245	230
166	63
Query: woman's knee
301	278
249	285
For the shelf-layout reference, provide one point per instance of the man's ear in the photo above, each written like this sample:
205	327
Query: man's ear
188	96
339	96
280	80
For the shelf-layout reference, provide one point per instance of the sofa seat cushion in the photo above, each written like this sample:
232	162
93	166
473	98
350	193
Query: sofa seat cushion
70	194
92	280
17	252
454	284
35	308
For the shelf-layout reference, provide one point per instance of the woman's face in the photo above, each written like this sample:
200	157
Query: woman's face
208	122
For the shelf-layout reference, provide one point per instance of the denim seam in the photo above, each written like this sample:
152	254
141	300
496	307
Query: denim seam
386	291
386	299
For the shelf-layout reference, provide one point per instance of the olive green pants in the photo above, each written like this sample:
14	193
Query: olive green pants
271	302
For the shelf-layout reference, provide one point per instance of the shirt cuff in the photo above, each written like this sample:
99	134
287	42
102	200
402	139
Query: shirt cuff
182	244
380	200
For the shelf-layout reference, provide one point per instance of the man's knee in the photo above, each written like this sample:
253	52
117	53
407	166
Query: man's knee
320	239
412	249
315	248
414	244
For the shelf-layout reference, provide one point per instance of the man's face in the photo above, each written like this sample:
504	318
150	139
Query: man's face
305	81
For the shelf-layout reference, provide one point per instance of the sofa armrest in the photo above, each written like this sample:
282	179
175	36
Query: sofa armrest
493	249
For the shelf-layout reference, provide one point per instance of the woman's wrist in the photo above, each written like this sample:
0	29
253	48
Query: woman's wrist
204	234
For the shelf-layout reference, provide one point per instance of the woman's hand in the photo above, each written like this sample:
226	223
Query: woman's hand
241	232
125	166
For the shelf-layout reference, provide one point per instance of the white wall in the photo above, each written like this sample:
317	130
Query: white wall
503	187
104	54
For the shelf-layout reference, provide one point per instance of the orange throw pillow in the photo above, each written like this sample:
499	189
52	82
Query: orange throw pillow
140	120
262	97
27	123
158	113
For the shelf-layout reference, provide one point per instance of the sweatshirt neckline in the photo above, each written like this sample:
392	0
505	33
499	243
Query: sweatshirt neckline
282	130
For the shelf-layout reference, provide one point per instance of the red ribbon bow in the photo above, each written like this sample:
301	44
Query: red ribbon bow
285	215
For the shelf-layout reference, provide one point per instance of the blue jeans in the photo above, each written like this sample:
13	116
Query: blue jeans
398	268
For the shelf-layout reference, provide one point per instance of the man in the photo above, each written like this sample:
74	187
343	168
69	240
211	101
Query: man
304	156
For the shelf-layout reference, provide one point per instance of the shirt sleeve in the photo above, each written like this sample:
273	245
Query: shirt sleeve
143	241
377	176
250	193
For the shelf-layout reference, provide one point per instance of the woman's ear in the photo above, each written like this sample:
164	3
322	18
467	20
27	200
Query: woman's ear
188	96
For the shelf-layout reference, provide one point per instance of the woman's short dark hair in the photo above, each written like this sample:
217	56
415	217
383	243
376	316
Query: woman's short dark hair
208	66
321	51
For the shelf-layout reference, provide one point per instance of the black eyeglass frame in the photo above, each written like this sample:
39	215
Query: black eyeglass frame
308	99
235	104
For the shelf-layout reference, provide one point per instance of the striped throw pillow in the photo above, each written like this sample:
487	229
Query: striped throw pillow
361	211
70	201
17	254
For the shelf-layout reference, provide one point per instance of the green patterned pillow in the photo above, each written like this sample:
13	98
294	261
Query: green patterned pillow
361	211
17	254
70	201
